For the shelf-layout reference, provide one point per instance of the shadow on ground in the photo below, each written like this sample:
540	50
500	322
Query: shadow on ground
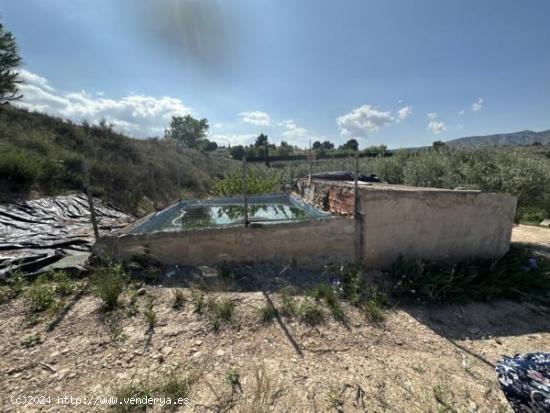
478	320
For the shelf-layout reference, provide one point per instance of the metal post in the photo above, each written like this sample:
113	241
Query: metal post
179	183
310	163
356	187
154	187
90	200
245	198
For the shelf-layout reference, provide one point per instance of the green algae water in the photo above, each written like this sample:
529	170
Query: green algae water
207	216
224	212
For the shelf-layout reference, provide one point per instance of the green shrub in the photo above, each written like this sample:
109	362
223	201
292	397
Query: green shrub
326	293
259	181
109	281
40	295
31	341
18	168
530	215
17	284
63	284
373	310
222	309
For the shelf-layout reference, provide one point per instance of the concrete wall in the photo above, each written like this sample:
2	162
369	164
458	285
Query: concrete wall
311	244
438	225
416	222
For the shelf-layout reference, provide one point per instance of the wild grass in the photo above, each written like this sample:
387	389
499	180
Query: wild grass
109	281
199	301
175	386
310	313
264	392
289	306
326	293
233	379
64	286
17	284
268	313
518	274
178	301
219	311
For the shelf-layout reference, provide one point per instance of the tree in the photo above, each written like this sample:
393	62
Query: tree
437	145
237	152
351	144
208	146
328	145
9	62
186	131
317	145
261	140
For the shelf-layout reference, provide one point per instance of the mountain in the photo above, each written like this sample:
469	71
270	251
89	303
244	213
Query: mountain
521	138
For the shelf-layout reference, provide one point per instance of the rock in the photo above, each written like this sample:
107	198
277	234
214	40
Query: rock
141	291
166	350
498	340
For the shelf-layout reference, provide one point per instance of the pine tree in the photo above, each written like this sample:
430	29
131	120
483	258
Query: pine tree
9	61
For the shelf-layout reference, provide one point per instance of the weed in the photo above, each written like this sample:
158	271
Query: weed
233	378
289	308
179	299
326	293
199	302
17	284
177	387
219	311
334	400
442	396
132	308
150	314
64	286
310	313
263	392
350	281
109	282
268	312
517	274
115	330
373	311
41	295
31	341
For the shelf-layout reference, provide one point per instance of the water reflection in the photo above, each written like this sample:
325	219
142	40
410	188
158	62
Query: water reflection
203	216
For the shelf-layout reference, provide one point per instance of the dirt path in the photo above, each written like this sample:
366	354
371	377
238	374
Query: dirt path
420	359
529	234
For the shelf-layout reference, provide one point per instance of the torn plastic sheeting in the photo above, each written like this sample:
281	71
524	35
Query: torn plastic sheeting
39	232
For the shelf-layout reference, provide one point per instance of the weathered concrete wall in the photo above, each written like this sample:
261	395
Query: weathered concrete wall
311	244
434	224
416	222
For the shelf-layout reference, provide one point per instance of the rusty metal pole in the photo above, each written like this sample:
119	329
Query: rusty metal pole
245	198
90	200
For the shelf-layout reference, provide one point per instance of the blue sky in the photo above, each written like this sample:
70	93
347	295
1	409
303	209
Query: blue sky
400	73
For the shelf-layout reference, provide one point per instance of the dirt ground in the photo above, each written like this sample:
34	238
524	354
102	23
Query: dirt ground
419	359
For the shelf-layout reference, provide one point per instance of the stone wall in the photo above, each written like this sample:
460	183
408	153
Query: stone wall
311	244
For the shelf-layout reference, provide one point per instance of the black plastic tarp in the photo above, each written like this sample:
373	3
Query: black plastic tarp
37	233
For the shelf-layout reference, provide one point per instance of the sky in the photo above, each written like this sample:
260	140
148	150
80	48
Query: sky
396	72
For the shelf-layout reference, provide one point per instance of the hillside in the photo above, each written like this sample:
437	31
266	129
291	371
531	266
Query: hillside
521	138
44	155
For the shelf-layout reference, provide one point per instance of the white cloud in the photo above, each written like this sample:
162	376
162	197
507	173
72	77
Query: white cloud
294	134
432	115
234	138
136	115
404	112
461	112
256	118
217	125
362	120
436	127
477	105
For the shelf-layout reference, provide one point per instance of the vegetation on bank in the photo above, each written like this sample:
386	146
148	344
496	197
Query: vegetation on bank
50	156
